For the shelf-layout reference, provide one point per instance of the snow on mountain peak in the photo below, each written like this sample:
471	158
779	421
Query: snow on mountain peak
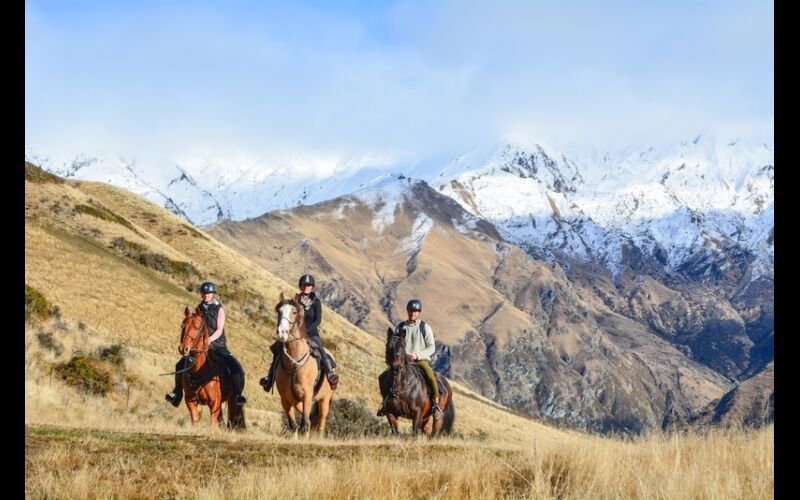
589	203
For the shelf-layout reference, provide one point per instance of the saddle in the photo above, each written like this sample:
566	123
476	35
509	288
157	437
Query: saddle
222	369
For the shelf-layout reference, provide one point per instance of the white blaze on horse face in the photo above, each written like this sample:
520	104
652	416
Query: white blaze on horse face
285	325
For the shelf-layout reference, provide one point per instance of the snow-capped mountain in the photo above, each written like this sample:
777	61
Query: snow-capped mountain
204	192
696	202
701	197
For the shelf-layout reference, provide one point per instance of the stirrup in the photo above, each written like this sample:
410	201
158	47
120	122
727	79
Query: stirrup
381	411
437	412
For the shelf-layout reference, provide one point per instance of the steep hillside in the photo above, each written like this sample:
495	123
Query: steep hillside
515	328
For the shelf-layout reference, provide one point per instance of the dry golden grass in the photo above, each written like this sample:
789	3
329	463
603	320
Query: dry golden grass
90	463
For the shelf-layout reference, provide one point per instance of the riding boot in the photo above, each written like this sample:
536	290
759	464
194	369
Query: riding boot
267	381
238	383
176	395
437	412
382	409
327	366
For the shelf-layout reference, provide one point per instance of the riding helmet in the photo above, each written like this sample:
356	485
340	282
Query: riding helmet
208	287
414	305
306	279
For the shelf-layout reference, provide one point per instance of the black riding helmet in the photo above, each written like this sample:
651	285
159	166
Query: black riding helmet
306	279
414	305
208	287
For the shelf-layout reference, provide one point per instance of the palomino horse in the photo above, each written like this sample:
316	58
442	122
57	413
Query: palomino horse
294	375
202	383
405	392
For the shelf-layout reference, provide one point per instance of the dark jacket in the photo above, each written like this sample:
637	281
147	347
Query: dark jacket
210	312
312	315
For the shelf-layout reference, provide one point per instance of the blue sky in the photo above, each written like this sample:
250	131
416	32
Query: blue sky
391	81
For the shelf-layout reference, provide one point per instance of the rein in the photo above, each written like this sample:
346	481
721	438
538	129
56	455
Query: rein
194	361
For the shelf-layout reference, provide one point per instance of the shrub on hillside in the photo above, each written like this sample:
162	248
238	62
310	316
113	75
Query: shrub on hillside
47	341
84	373
104	214
352	419
156	261
38	175
36	306
114	354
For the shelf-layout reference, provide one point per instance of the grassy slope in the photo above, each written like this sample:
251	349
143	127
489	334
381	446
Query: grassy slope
133	443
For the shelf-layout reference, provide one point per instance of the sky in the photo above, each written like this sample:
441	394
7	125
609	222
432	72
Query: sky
349	84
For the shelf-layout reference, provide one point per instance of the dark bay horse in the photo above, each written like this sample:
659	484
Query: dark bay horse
294	375
405	392
204	383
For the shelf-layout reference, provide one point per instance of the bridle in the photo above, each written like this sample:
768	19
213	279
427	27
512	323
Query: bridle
294	333
195	340
397	371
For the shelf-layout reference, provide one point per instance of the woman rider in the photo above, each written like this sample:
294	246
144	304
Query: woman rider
312	317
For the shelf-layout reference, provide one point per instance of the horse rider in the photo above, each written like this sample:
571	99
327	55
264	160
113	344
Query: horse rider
420	346
312	314
215	320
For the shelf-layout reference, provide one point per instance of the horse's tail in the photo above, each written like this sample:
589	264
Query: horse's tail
449	416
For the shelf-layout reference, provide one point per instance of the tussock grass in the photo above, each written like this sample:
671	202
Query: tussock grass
77	463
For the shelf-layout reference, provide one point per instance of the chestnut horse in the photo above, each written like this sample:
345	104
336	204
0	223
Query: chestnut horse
405	392
203	383
294	375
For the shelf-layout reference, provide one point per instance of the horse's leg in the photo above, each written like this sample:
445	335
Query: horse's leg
443	401
427	425
393	424
288	408
193	410
416	417
214	394
308	400
324	406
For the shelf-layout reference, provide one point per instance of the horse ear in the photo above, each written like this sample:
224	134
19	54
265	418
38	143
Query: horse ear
389	333
197	310
186	311
282	297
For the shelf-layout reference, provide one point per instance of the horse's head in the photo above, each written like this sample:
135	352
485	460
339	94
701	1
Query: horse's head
194	332
290	317
395	349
